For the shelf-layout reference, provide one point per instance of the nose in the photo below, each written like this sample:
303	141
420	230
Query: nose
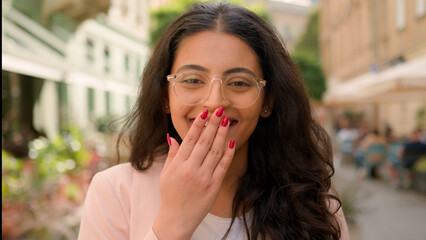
215	98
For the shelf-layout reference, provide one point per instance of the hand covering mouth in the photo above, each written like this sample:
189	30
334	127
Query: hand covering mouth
231	120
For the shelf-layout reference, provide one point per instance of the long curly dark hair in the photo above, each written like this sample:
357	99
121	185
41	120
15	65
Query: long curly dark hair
287	183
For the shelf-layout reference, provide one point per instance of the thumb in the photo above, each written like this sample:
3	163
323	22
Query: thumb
173	149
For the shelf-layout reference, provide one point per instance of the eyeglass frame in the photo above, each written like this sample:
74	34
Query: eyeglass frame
261	83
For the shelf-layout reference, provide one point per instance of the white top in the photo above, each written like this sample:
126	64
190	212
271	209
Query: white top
214	228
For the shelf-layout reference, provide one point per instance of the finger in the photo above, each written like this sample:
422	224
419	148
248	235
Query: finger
217	149
224	163
173	149
192	136
207	137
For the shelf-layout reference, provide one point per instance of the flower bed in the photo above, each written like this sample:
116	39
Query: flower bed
42	194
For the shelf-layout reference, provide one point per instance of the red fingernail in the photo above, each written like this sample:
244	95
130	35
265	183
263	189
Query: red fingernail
204	115
168	140
225	121
231	144
219	112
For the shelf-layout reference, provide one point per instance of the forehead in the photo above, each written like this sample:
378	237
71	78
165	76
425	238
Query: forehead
217	52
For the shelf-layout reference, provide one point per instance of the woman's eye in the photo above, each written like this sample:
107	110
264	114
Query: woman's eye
193	81
239	83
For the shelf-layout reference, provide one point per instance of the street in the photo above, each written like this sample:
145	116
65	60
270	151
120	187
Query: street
379	211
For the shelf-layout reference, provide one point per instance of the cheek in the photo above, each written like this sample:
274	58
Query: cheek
254	118
174	103
178	116
250	118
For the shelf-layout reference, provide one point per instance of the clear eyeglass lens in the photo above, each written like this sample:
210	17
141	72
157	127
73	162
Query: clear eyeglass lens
239	89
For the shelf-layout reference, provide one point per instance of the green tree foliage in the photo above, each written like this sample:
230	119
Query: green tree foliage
312	73
163	16
309	41
306	55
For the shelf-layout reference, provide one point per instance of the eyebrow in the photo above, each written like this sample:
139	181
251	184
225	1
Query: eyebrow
238	70
193	67
203	69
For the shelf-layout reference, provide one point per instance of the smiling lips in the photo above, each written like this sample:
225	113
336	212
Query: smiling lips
231	120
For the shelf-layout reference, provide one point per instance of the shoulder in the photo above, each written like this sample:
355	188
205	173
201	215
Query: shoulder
117	171
113	179
121	173
335	207
415	145
422	145
124	176
112	186
121	203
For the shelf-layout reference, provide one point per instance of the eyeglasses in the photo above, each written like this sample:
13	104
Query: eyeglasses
239	89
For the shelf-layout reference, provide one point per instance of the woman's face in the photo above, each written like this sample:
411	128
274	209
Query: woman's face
215	54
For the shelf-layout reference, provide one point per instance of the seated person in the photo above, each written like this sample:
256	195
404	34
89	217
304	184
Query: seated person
412	151
374	148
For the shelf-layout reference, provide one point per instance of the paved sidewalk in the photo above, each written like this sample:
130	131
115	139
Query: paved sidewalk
382	211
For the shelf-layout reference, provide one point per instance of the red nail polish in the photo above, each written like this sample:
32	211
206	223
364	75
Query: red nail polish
225	121
219	112
231	144
204	115
168	140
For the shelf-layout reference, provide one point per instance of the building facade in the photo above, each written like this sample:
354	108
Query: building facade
374	56
68	63
290	18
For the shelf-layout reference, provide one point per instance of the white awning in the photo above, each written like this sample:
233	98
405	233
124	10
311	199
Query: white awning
23	66
407	79
40	70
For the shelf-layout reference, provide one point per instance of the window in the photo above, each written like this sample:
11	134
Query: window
420	8
138	67
126	62
128	103
63	103
91	102
287	33
108	103
89	50
400	14
106	54
124	9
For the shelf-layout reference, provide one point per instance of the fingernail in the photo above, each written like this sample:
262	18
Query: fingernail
231	144
204	115
168	140
219	112
225	121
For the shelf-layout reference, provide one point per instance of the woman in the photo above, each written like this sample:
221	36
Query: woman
243	157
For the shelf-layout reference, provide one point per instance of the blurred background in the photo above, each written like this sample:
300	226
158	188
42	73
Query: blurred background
70	67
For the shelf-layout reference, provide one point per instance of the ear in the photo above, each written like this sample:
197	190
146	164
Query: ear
166	108
268	105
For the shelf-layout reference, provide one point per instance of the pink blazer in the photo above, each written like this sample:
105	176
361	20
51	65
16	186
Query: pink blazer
122	203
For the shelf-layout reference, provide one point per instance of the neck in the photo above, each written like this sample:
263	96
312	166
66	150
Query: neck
223	205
